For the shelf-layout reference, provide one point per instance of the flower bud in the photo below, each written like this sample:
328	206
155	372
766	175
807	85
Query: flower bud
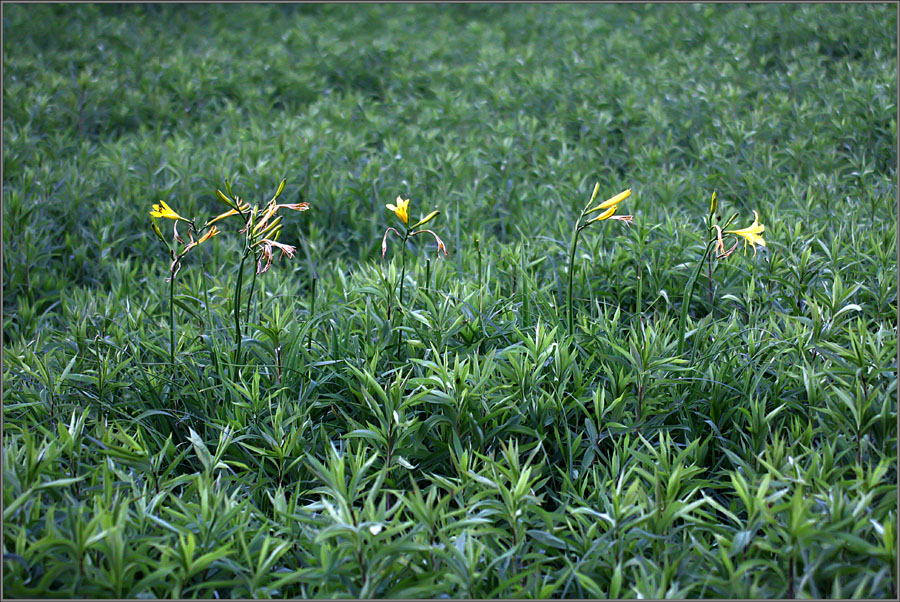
425	219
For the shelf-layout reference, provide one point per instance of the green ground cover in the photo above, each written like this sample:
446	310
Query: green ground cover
465	442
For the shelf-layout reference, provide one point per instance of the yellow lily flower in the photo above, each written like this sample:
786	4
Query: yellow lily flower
401	209
611	202
751	234
163	210
608	214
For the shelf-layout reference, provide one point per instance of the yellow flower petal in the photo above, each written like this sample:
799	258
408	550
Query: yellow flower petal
614	200
163	210
751	234
605	215
401	209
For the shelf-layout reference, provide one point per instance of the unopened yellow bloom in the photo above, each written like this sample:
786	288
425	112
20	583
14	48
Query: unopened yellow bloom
212	232
611	202
270	211
228	213
605	215
401	209
426	219
752	233
158	232
163	210
610	206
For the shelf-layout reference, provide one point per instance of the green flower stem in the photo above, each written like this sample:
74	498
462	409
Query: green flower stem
572	247
688	293
212	340
250	296
400	296
480	282
640	287
403	268
312	313
578	228
237	308
172	322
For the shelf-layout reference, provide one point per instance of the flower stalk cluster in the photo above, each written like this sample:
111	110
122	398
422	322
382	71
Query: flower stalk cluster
162	210
262	228
401	210
751	235
607	211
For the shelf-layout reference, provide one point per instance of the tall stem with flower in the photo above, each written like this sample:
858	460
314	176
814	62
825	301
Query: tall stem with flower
401	210
751	234
608	208
163	210
261	231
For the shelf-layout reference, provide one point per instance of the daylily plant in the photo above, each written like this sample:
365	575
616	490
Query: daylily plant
261	235
608	209
752	235
400	208
162	210
261	231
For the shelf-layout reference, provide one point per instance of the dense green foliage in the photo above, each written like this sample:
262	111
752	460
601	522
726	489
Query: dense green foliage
492	453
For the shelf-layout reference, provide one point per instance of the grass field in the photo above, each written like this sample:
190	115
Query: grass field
347	425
